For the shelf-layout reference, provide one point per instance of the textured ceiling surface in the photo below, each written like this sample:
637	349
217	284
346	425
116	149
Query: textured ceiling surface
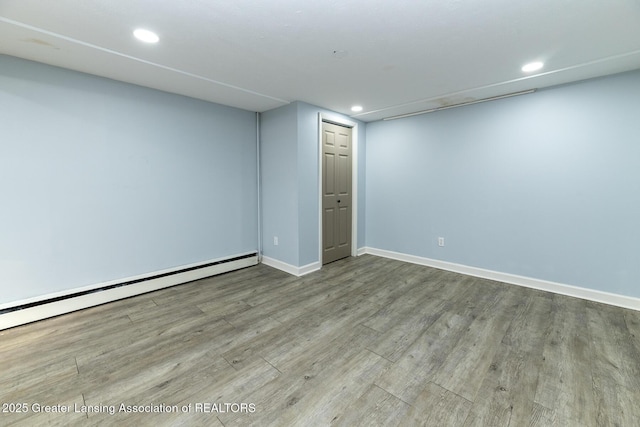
391	57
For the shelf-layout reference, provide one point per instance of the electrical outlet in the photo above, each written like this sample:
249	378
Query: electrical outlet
441	241
275	240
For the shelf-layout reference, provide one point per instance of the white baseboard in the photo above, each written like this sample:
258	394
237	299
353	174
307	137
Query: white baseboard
309	268
74	303
529	282
291	269
361	251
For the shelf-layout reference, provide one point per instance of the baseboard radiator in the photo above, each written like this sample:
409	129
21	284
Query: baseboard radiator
33	311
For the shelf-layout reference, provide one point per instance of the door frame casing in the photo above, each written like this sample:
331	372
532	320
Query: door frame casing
341	121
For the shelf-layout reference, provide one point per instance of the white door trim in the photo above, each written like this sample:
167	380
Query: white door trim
333	118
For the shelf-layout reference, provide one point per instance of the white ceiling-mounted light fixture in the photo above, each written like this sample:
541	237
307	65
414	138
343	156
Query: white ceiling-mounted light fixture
532	66
356	108
146	35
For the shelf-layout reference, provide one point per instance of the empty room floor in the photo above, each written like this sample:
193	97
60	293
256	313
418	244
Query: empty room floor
364	341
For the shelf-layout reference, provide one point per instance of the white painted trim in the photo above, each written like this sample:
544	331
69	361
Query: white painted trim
333	118
309	268
291	269
46	310
529	282
258	187
280	265
362	251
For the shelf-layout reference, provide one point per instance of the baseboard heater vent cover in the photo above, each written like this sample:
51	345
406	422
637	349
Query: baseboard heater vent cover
34	311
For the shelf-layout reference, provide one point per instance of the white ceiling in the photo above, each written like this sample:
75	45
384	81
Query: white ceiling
390	56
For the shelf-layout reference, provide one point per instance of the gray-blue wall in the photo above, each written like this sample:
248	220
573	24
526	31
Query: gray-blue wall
101	180
279	183
545	185
289	181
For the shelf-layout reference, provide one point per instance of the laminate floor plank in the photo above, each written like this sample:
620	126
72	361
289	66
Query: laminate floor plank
462	371
530	325
407	279
302	372
613	353
162	377
632	322
337	314
407	377
436	406
352	268
70	419
615	405
55	387
333	394
424	358
565	381
212	334
395	341
147	336
375	407
413	292
380	272
506	396
275	293
327	332
60	337
251	279
233	387
43	372
363	341
297	301
319	301
542	416
407	326
272	282
165	314
308	360
63	392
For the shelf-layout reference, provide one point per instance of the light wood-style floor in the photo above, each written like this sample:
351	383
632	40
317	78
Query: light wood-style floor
365	341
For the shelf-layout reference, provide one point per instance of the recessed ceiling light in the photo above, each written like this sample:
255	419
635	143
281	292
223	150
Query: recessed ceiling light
146	36
532	66
356	108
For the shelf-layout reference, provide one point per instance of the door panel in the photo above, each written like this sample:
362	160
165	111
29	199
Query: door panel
329	174
344	223
344	139
336	192
329	221
344	183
